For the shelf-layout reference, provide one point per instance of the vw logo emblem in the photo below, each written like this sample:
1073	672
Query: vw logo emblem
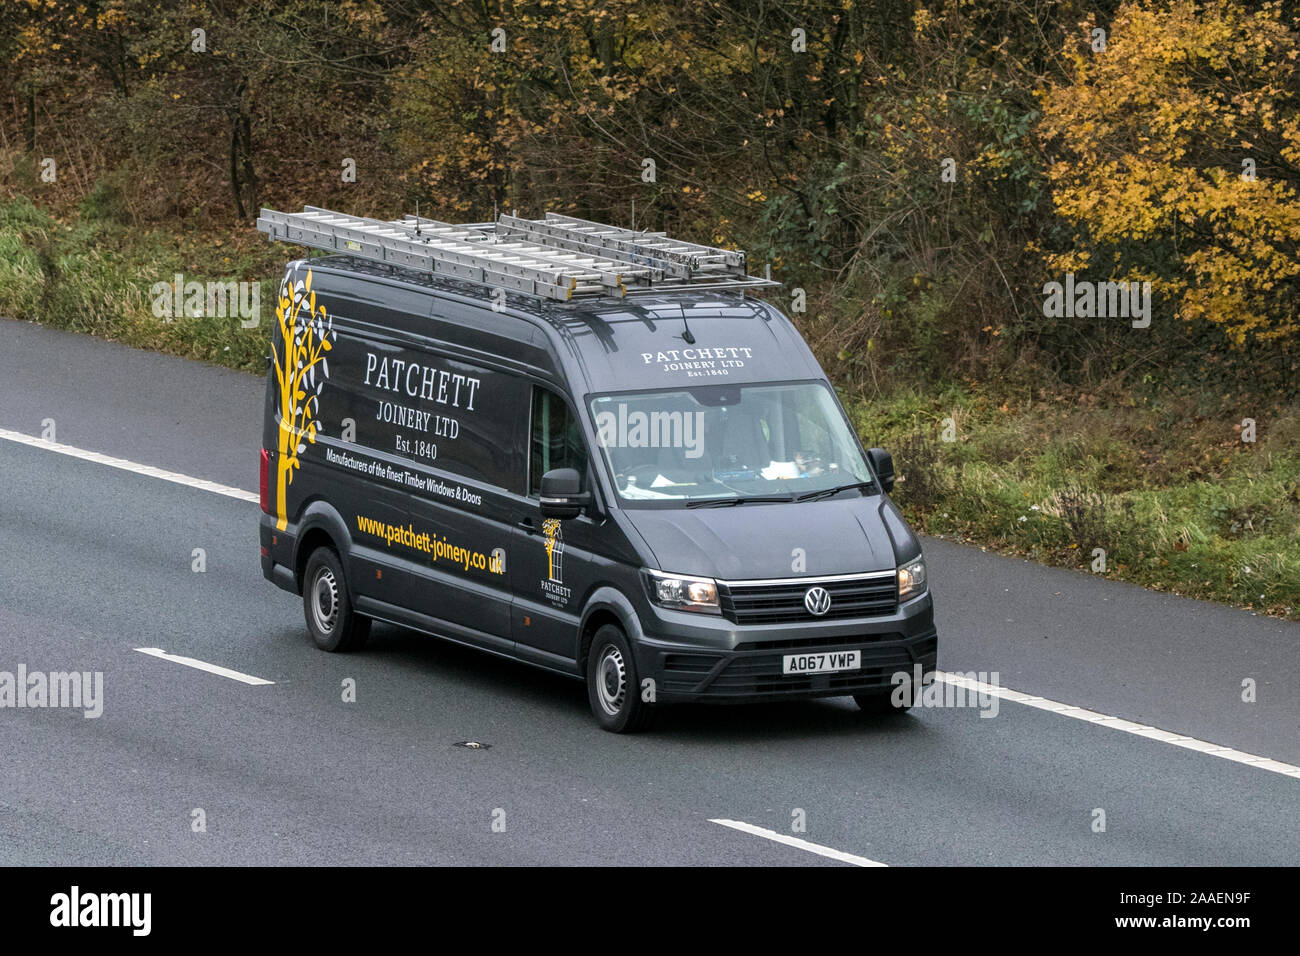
817	600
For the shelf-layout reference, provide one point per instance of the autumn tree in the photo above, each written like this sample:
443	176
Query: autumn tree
1175	157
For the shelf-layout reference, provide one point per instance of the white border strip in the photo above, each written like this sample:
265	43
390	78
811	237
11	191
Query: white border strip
797	843
203	666
1119	723
124	465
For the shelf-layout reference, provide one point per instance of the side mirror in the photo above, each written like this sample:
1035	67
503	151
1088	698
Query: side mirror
882	463
562	495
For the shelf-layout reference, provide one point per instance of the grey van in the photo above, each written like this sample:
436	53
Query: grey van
586	448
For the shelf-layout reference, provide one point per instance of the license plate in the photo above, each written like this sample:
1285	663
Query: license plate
825	663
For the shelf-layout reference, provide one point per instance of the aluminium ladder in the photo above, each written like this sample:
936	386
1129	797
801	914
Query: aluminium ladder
559	257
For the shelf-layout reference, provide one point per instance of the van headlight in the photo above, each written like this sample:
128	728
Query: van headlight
681	592
911	579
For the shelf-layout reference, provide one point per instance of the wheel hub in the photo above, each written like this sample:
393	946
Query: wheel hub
325	601
611	680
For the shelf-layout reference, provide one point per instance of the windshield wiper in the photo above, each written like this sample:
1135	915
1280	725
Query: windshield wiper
739	500
829	492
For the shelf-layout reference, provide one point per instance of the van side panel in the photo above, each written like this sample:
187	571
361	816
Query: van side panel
418	450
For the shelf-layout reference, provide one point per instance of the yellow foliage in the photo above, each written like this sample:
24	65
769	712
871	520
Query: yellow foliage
1178	149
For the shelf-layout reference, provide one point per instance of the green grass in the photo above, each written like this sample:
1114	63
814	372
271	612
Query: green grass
1163	484
94	275
1165	488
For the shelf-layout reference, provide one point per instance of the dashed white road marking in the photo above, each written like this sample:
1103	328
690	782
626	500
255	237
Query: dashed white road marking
1043	703
1119	723
798	843
203	666
124	465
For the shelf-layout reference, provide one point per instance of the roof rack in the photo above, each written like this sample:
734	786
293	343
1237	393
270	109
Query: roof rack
559	257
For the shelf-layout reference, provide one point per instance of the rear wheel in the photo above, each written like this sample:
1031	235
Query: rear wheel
332	622
613	688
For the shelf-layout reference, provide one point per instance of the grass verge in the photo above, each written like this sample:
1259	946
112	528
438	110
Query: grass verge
1160	490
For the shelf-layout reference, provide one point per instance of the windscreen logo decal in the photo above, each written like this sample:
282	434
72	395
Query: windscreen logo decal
553	585
699	362
300	373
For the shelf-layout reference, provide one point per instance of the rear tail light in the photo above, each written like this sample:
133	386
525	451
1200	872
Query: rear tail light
264	483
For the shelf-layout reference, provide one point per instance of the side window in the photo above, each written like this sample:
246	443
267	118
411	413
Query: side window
555	440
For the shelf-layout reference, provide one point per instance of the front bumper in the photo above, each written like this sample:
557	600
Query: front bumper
750	669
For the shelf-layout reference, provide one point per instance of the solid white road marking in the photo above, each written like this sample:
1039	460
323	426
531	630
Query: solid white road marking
203	666
1065	710
797	843
124	465
1119	723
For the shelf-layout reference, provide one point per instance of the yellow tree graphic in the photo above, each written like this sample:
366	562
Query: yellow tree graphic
550	531
306	334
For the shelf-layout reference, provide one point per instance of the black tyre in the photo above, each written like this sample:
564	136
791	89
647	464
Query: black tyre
613	687
333	625
880	702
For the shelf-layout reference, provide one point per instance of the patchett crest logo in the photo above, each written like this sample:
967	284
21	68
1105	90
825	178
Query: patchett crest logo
553	584
554	550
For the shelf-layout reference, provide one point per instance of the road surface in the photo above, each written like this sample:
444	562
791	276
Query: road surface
96	562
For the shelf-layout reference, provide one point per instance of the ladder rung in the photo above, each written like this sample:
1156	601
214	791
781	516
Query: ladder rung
612	274
651	240
461	243
558	257
319	234
567	238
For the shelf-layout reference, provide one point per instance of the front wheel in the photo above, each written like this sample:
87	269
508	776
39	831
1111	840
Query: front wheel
613	688
332	622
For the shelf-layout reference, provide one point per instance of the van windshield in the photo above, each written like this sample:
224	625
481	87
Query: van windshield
722	445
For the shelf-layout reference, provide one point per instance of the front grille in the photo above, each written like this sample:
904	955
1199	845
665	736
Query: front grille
750	673
803	641
761	674
683	672
782	602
